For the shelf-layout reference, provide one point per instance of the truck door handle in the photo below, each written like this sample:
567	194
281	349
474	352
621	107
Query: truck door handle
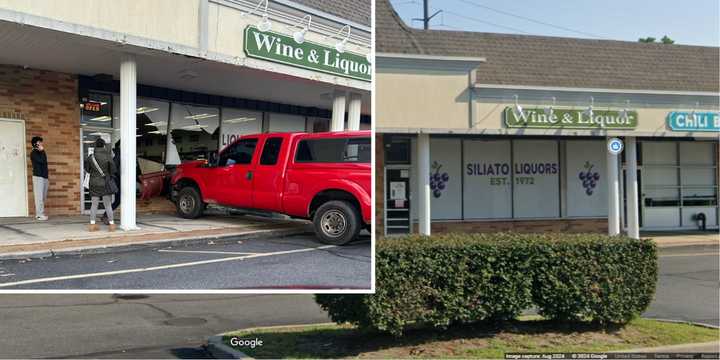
249	175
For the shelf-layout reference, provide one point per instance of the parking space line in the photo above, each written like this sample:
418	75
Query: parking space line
162	267
207	252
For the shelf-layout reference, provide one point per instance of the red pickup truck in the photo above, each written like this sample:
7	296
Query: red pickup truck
324	177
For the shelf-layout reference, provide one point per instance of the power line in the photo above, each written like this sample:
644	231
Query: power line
443	24
529	19
469	18
405	2
487	22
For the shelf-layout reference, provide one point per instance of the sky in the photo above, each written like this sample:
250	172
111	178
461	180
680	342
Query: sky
688	22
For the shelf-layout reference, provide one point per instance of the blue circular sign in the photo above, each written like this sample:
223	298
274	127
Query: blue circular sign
615	146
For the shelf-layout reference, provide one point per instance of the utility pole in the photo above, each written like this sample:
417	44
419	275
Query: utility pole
426	19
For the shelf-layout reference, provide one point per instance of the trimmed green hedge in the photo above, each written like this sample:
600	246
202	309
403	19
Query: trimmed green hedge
439	280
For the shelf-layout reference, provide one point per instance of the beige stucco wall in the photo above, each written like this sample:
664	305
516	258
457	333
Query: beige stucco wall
437	101
226	32
651	121
173	21
422	100
174	25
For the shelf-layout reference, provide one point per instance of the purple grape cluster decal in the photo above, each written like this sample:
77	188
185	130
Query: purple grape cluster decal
589	178
438	180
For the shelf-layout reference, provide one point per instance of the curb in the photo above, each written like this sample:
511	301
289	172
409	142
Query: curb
190	240
670	348
710	326
217	348
686	243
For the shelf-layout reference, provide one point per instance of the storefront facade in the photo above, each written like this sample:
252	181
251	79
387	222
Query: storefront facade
180	92
474	135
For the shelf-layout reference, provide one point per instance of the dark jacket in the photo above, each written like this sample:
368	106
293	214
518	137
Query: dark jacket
97	182
39	163
116	161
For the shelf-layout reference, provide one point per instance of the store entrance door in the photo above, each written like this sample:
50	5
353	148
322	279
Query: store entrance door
13	176
397	200
89	135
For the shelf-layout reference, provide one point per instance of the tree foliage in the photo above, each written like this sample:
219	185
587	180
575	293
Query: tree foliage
665	40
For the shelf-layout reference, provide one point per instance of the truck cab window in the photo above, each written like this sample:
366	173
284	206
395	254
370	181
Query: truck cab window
239	153
357	150
271	151
349	150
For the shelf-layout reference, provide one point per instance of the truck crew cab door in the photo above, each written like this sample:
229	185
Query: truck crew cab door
269	174
233	184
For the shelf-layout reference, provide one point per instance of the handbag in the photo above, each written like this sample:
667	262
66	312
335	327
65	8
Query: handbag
110	185
86	181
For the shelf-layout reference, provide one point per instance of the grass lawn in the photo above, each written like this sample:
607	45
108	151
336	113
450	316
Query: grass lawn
474	340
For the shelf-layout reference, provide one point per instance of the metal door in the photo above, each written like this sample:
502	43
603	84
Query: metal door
88	136
13	171
397	201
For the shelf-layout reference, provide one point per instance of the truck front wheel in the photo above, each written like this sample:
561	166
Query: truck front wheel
337	222
189	204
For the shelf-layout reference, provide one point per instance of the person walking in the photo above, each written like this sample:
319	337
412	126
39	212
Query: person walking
102	172
38	157
116	200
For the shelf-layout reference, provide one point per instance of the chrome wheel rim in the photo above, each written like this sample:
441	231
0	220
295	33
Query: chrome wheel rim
187	203
333	223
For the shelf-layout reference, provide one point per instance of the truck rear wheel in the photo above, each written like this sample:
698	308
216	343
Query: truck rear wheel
189	203
337	222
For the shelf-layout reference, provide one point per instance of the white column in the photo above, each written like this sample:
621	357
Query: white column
613	195
631	186
354	111
338	111
128	106
423	178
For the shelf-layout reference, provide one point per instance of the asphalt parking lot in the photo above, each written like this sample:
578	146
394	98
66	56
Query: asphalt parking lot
294	262
688	285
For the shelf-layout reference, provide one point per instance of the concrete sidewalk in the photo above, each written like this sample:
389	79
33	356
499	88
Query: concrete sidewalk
26	237
685	238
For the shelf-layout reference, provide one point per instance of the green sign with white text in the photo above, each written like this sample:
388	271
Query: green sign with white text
280	48
539	118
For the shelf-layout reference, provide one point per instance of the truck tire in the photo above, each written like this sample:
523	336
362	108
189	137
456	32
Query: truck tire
337	222
189	203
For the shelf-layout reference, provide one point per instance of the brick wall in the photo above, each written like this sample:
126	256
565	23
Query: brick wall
47	102
379	185
523	226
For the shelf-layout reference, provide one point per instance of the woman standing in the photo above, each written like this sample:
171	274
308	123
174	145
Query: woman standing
102	172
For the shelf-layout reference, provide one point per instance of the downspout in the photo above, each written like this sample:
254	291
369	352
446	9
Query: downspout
203	27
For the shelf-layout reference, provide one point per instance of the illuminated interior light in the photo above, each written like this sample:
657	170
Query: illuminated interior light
192	127
200	116
145	109
239	120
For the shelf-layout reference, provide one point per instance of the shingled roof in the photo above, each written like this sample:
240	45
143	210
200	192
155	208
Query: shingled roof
354	10
556	61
